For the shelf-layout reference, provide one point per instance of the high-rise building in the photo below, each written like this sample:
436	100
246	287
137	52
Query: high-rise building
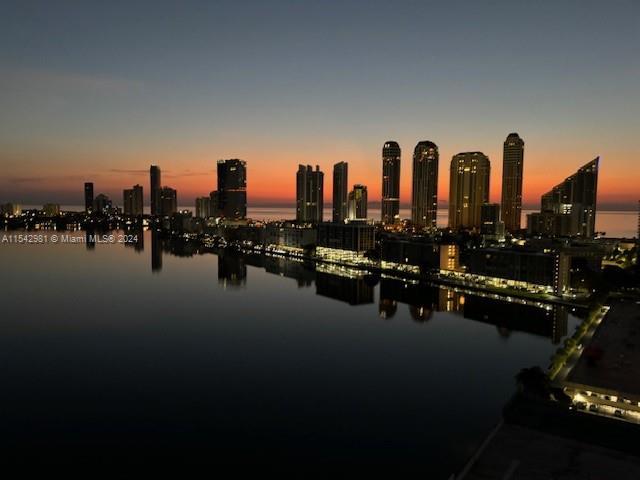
133	201
88	197
569	208
340	190
102	204
231	196
512	168
358	203
468	189
203	207
156	182
390	182
424	200
309	194
168	201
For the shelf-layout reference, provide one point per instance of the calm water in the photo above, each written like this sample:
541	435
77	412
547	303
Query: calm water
129	354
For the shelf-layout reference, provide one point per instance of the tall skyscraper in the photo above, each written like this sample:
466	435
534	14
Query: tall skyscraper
168	201
424	199
340	190
231	196
569	208
390	182
468	189
358	203
133	201
309	194
88	197
156	184
512	168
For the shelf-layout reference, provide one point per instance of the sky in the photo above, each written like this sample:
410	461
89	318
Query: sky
98	91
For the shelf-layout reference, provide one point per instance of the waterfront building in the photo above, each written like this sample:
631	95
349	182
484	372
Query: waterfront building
569	208
512	175
155	186
88	197
133	201
283	237
490	224
409	254
102	204
533	270
345	241
203	207
309	194
231	195
468	189
340	191
168	201
390	182
424	199
357	204
449	257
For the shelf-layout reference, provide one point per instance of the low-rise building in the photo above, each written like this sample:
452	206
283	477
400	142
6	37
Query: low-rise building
345	241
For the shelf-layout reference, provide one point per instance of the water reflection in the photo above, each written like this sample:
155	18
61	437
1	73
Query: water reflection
355	287
232	271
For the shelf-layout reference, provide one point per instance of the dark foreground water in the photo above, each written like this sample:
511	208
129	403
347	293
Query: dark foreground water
115	354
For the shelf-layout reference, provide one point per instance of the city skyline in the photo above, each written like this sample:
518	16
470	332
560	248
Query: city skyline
277	236
291	93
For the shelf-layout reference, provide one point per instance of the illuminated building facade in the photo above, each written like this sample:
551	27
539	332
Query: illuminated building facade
357	204
569	208
340	190
512	174
520	268
390	182
409	254
468	189
345	241
424	197
309	194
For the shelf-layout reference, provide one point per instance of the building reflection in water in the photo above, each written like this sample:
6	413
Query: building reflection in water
342	284
136	234
356	287
546	320
302	272
89	239
422	299
232	271
156	251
